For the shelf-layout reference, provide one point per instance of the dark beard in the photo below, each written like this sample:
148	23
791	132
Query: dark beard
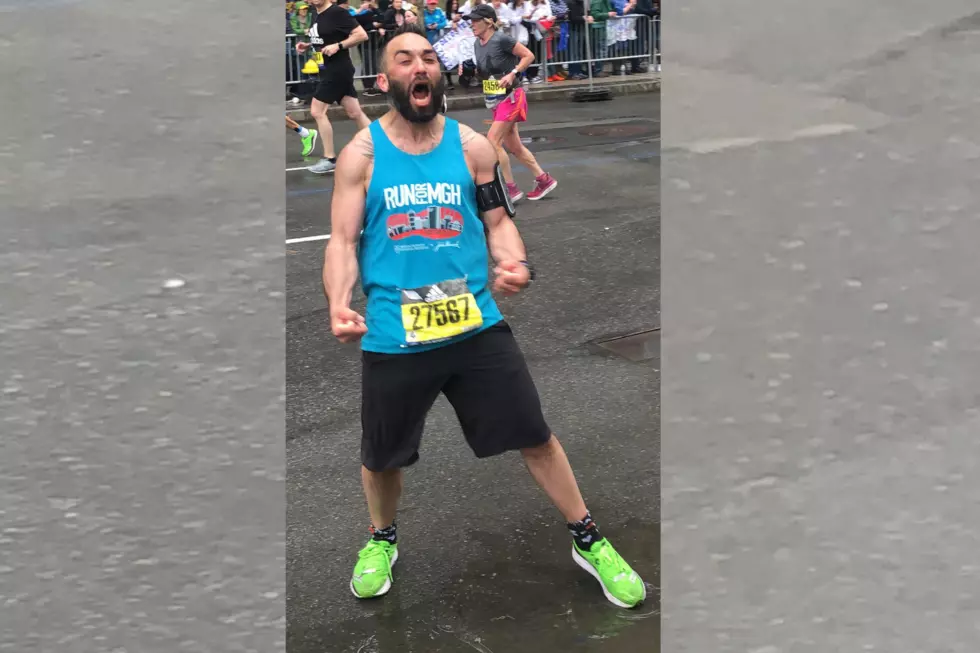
400	98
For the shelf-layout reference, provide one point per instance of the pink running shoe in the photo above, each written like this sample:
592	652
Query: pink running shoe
545	184
516	194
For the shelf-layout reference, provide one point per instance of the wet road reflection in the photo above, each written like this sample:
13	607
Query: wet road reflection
505	604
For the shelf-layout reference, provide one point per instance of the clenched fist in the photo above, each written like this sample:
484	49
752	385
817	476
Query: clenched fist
511	277
347	325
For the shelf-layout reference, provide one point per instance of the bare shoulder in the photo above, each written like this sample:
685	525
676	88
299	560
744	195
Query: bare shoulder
477	148
356	160
363	143
468	136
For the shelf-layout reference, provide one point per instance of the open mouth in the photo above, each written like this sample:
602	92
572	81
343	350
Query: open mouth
421	92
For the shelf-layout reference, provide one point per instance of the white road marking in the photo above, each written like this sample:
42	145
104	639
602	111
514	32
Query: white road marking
817	131
814	131
307	239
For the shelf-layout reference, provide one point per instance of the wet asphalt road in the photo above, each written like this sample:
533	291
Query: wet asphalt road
484	559
821	327
141	450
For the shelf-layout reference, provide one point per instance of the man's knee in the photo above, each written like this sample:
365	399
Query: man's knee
544	450
351	106
381	474
318	110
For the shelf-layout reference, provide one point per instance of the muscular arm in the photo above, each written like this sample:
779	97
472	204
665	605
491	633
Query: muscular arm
527	57
340	267
502	234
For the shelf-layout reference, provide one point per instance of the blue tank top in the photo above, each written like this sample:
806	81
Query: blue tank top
423	254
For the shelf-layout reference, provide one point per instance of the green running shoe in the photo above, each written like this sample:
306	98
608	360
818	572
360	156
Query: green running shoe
621	585
372	573
309	142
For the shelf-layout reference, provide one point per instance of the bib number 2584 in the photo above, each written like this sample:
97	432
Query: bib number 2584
439	312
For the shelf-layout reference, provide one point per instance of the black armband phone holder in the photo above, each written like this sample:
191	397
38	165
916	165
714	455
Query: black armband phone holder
494	194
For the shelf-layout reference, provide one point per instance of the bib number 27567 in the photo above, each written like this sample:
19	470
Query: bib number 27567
439	312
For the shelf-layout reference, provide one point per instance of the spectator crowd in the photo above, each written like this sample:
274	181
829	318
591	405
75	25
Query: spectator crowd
623	35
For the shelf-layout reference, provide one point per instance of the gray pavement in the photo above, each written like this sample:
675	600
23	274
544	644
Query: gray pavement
141	451
484	560
821	327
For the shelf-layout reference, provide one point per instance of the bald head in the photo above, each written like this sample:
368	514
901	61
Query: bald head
409	39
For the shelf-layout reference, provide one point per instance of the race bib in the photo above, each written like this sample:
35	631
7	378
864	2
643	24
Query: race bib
318	58
439	312
492	87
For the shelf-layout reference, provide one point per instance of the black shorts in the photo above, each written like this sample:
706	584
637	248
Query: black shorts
335	84
484	377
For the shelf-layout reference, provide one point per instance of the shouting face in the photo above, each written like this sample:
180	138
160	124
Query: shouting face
412	78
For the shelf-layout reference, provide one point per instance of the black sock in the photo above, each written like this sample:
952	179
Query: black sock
585	532
332	159
387	534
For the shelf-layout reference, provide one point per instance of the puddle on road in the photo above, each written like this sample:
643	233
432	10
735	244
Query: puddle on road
504	603
528	140
644	156
572	136
619	131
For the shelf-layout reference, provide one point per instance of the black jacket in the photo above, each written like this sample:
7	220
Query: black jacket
368	19
389	19
645	7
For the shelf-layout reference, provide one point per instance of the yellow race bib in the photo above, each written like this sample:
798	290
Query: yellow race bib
493	87
318	58
439	312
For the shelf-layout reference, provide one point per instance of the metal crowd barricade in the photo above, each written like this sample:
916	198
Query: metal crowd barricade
294	61
655	39
620	45
366	57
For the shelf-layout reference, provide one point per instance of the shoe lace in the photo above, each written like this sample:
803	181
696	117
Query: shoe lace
372	549
607	558
375	549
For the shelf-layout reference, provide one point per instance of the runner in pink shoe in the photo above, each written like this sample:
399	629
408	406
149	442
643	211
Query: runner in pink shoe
501	61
